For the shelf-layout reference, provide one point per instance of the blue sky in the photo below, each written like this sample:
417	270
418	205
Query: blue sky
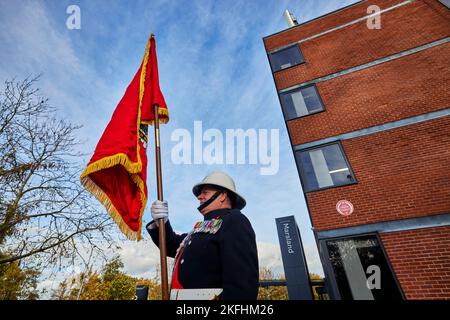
213	68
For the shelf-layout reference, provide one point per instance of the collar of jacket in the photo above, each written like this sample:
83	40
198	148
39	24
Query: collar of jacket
216	214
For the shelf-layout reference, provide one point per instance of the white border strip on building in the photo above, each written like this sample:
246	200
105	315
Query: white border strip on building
369	64
341	26
376	129
441	220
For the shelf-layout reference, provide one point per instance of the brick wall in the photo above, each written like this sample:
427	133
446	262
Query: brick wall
394	90
322	24
401	173
406	27
421	261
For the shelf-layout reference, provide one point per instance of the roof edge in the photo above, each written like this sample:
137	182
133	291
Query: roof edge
314	19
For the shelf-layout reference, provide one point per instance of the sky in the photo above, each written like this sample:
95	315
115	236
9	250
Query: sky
214	74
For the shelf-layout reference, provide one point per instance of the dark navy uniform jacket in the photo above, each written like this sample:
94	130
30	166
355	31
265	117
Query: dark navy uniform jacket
227	259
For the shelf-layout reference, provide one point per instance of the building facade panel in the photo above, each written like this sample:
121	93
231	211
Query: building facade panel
401	88
319	25
401	173
368	116
421	260
403	28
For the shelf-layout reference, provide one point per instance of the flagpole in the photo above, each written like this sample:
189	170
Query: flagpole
162	231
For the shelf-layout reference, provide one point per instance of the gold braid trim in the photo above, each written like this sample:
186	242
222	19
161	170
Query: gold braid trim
111	161
131	167
161	112
140	183
141	93
104	199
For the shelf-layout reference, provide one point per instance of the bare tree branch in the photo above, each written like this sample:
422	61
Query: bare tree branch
45	247
45	213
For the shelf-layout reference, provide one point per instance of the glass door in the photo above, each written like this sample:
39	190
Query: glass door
361	269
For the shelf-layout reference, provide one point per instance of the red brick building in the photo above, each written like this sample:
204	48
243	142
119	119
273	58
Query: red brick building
366	99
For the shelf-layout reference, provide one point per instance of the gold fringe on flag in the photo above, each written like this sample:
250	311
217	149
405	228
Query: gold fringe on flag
131	167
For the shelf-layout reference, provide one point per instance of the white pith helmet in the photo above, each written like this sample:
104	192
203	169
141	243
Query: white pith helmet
221	179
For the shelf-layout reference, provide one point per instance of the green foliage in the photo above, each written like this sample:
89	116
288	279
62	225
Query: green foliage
112	269
17	283
280	292
122	287
154	288
111	284
271	293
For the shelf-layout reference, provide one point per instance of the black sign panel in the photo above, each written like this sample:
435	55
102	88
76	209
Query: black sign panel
294	262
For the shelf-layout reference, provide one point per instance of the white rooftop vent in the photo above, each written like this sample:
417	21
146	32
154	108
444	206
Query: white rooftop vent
290	18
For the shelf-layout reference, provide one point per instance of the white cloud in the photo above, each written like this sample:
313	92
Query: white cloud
32	34
212	68
269	256
141	259
34	45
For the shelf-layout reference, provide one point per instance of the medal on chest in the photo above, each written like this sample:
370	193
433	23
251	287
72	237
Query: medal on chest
208	226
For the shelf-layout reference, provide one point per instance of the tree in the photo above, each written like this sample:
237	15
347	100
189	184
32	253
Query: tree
315	276
278	292
16	283
271	293
84	286
119	286
45	213
154	287
111	284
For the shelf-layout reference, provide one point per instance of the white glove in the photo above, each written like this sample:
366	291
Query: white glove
160	210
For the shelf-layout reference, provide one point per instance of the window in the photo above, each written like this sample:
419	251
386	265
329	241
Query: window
285	58
361	269
324	167
300	102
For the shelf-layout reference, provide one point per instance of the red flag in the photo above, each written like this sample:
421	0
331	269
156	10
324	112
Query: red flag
117	172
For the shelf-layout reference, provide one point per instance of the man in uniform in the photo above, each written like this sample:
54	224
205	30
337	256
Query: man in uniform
220	252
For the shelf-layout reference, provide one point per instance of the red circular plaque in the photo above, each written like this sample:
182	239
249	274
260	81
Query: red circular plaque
344	207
